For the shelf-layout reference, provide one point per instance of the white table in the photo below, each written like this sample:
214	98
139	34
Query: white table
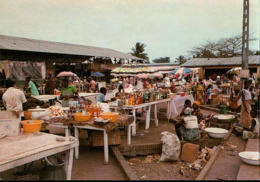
177	104
148	113
100	128
45	97
27	147
90	96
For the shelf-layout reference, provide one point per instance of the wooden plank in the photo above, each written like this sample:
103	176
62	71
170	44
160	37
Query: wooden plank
246	171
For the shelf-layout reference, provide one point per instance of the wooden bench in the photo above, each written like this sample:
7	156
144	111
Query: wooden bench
246	171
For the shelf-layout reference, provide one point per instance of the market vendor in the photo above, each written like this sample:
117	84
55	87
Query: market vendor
13	98
251	132
68	93
200	91
33	102
233	100
187	128
196	112
49	86
30	86
101	96
245	118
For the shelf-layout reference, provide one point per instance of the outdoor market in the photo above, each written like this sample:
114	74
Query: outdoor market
75	112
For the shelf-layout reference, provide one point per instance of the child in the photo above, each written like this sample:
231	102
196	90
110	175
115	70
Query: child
208	94
187	104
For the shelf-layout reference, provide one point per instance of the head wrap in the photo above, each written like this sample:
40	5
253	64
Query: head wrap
197	103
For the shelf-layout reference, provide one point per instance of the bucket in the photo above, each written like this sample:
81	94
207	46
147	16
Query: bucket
223	109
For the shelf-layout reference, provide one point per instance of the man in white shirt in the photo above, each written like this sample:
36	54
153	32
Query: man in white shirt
13	98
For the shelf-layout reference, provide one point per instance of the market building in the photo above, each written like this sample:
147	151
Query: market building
21	57
210	66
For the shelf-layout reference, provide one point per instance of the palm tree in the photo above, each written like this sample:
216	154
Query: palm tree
138	51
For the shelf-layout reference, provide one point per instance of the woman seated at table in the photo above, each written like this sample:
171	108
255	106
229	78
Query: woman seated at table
68	93
101	96
196	112
187	128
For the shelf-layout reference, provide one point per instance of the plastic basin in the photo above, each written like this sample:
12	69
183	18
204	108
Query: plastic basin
31	125
216	132
79	117
112	116
252	158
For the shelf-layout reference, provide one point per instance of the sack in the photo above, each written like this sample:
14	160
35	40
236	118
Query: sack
171	147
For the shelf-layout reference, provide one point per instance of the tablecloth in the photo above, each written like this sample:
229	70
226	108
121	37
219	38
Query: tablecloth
177	105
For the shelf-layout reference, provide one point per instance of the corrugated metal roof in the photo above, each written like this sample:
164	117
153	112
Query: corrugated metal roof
233	61
32	45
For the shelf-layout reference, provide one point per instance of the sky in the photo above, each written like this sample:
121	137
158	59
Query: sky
168	28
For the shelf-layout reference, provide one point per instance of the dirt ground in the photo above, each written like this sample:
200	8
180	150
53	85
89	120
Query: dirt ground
149	167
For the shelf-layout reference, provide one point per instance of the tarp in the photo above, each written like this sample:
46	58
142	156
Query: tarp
19	70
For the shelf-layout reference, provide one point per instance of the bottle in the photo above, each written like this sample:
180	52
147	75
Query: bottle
84	110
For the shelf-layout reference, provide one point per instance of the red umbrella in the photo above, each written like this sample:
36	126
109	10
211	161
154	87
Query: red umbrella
66	73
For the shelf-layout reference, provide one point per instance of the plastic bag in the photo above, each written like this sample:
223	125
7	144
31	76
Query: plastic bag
171	147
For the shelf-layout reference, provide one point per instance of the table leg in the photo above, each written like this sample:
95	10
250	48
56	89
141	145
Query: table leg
147	123
129	134
155	115
134	124
69	163
168	110
106	147
67	133
76	133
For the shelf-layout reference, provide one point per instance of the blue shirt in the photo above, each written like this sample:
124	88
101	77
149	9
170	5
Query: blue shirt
100	98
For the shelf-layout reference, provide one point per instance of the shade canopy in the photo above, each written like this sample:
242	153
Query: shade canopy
66	73
97	74
181	71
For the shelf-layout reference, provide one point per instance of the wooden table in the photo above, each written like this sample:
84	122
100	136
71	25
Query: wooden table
122	119
148	113
27	147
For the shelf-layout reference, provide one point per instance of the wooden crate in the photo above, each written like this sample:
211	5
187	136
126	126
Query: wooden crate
97	138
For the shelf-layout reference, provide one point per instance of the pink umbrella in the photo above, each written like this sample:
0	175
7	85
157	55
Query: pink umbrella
66	73
159	75
142	75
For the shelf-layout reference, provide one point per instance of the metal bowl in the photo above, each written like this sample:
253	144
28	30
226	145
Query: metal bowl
224	118
252	158
216	132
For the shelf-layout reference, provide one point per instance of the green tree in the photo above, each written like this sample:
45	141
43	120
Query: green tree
257	53
181	59
139	51
162	60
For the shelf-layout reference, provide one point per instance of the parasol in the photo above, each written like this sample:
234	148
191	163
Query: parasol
66	73
234	70
97	74
181	71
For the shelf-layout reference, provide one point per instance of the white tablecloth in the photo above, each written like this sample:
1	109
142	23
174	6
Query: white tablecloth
177	104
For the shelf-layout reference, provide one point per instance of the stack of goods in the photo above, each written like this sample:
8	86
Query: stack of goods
32	103
56	111
140	97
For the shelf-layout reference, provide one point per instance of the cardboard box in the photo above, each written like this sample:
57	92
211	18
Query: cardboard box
97	138
10	125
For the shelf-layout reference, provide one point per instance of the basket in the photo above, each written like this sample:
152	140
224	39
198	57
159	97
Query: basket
31	125
110	115
79	117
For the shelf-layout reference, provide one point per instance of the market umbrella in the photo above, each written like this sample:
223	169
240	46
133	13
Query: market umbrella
66	73
142	76
97	74
234	70
181	70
